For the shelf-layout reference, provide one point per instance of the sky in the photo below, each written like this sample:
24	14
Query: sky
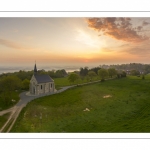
74	41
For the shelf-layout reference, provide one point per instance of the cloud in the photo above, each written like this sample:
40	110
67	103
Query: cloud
125	45
105	49
145	23
10	44
139	28
118	28
86	39
139	51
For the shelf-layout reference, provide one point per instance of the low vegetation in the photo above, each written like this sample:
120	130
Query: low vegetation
7	101
3	119
118	105
10	87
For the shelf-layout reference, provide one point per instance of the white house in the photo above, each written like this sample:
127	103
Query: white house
41	83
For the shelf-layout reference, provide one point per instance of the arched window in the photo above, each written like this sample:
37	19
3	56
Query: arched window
41	86
51	85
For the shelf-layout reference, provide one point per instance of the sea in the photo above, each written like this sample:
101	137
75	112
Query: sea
11	69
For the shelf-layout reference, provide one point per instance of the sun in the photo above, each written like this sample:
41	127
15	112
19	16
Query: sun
86	60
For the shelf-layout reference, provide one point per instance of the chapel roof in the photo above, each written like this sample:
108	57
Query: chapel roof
43	78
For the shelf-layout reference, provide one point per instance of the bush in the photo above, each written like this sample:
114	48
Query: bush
143	77
102	80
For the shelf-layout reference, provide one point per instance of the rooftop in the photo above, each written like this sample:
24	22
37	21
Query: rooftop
43	78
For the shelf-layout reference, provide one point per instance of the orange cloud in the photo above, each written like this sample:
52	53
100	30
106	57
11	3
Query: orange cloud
141	51
10	44
118	28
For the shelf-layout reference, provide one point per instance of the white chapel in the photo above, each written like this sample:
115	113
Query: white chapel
41	83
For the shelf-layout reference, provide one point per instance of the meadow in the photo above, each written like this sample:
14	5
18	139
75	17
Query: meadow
60	82
114	106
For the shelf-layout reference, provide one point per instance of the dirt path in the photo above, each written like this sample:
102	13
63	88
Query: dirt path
6	111
15	116
12	118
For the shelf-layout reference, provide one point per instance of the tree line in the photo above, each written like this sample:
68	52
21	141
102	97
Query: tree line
145	68
99	73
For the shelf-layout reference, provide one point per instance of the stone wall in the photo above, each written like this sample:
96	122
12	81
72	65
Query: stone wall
45	88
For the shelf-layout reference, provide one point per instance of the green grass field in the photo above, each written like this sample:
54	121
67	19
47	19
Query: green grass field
14	96
125	108
60	82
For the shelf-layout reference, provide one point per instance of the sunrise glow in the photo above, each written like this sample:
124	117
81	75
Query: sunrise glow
81	41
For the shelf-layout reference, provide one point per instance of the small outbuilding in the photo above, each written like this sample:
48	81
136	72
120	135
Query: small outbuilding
41	83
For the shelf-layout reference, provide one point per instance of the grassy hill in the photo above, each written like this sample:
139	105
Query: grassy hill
120	105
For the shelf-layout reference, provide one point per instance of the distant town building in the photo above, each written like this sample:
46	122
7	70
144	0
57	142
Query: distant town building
141	72
128	72
41	83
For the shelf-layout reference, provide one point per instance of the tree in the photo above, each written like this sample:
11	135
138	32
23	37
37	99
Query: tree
42	71
64	72
103	73
25	84
11	83
143	77
7	85
112	72
21	74
60	73
95	69
73	77
135	72
118	75
83	71
91	74
51	73
87	78
123	74
82	78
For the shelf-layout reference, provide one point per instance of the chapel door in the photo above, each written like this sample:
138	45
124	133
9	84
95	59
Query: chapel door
33	90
